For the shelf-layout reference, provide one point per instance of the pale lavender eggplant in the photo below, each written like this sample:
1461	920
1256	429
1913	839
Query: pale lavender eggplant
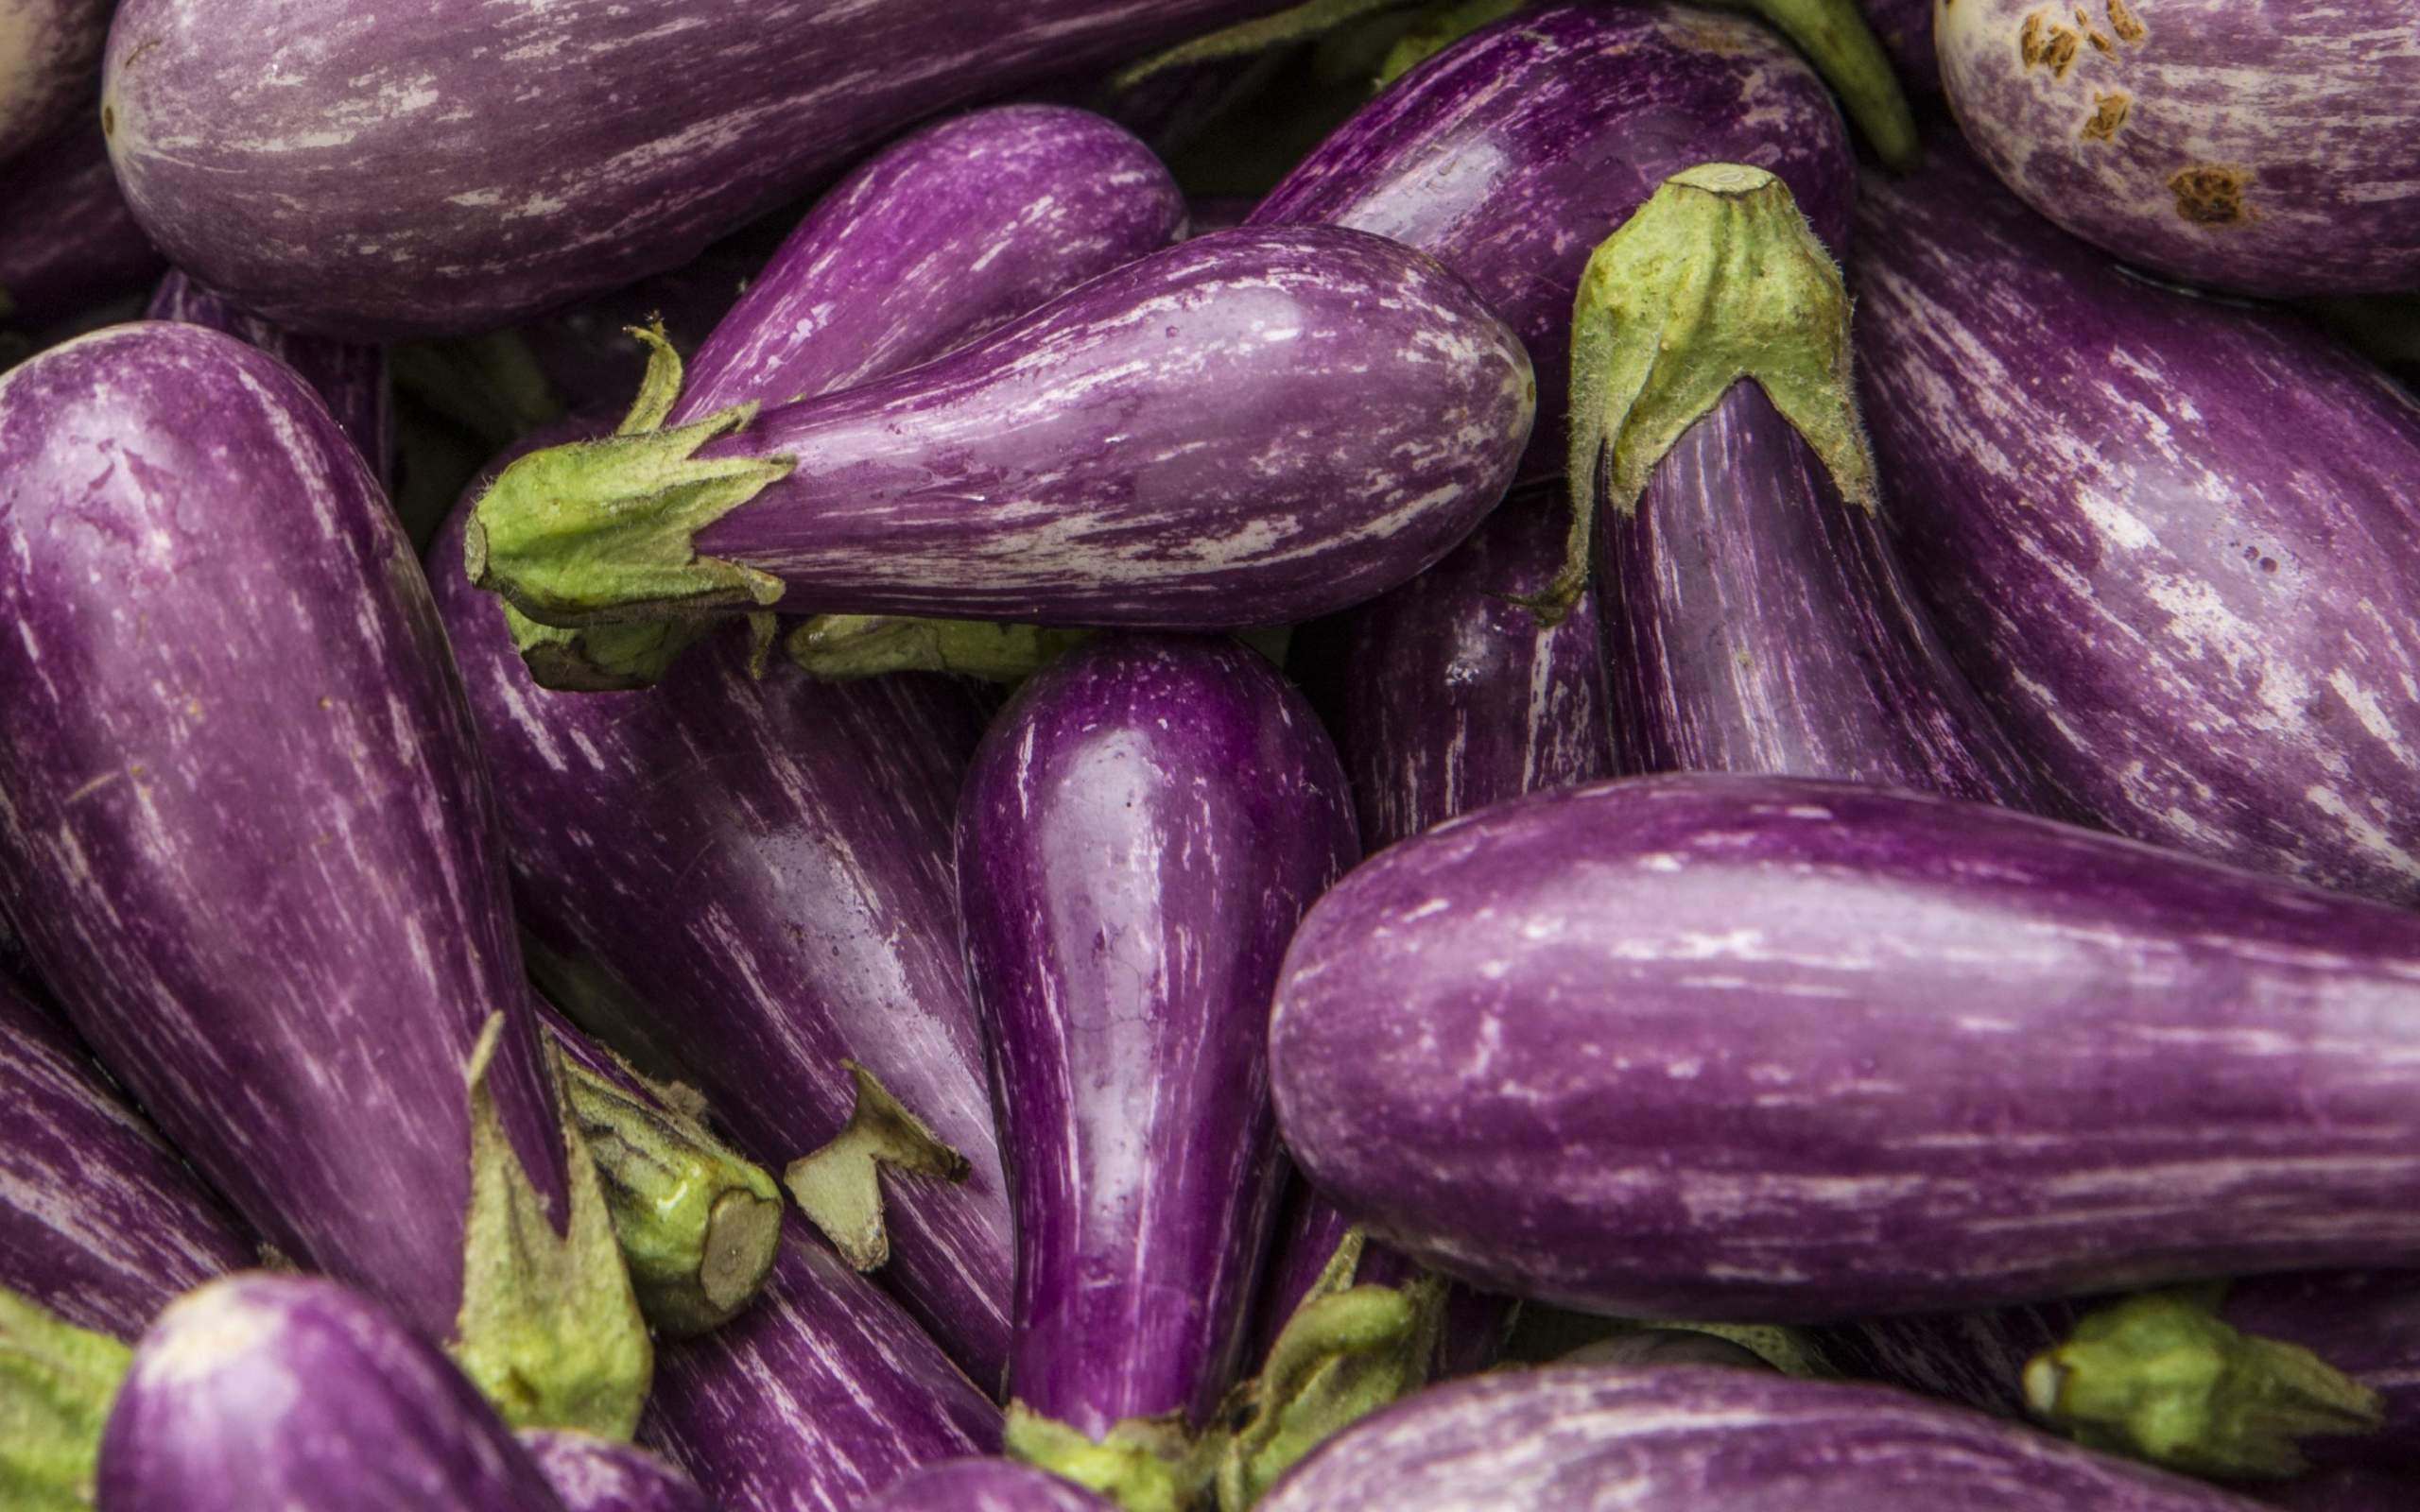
67	240
99	1221
592	1475
2258	150
444	168
986	1486
50	55
349	377
1778	1050
1511	155
1139	832
287	1391
820	1395
1904	27
2168	538
1594	1439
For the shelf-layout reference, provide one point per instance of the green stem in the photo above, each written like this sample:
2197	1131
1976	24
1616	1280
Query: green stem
1439	27
490	384
1144	1465
840	1187
1311	18
1834	36
840	647
57	1382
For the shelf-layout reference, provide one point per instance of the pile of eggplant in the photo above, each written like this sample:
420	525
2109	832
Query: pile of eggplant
1181	755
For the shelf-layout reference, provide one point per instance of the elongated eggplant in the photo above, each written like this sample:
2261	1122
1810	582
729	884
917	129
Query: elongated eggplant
986	1486
249	842
288	1391
2253	151
54	50
1684	1438
1763	1029
820	1396
2166	535
1138	835
68	241
592	1475
385	175
1249	427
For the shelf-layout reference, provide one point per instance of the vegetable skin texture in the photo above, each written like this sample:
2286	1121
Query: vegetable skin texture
420	172
2166	535
68	242
1693	987
274	1391
986	1486
201	556
2255	150
49	49
1685	1438
592	1475
1904	27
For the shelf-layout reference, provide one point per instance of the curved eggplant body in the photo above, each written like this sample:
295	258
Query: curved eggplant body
2167	538
1511	154
986	1486
49	50
350	378
287	1391
451	167
1905	29
2266	149
1692	1439
1139	834
68	241
592	1475
1746	1047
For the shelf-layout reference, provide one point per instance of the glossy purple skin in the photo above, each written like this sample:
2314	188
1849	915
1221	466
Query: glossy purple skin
1753	622
1693	1438
1905	29
68	241
1744	1047
1246	428
99	1221
453	167
2258	149
50	51
1140	831
1509	156
2168	538
820	1395
289	1391
350	378
248	837
592	1474
986	1486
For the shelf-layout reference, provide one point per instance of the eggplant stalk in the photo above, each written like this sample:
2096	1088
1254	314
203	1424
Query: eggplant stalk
57	1382
839	1186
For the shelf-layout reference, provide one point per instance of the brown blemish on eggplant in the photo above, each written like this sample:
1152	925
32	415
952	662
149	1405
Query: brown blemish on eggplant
2040	43
109	120
2209	196
2122	21
2108	114
2093	34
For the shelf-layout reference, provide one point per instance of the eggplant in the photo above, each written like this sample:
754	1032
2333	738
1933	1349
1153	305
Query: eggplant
1904	27
387	175
820	1396
1666	1347
2164	535
592	1475
986	1486
1685	1438
54	46
251	846
288	1391
1246	428
1744	1047
68	242
1138	833
2247	149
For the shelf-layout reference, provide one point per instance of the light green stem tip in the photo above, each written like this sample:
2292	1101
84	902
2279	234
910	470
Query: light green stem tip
57	1382
839	646
1144	1465
1439	27
1716	279
1295	23
2161	1377
840	1187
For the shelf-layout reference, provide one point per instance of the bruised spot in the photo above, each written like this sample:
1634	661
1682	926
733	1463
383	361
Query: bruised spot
2099	39
2040	42
2122	21
109	120
2209	197
2108	114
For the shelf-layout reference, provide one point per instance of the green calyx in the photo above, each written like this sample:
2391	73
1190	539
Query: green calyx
549	1328
600	532
840	1187
601	657
57	1382
2161	1377
1834	36
1714	280
1297	23
1439	27
840	647
1144	1465
698	1225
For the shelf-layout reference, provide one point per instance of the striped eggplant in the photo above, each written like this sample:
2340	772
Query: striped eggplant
249	842
1666	1347
1511	154
1139	832
2260	150
263	1391
592	1475
1689	1438
1904	27
1745	1047
986	1486
67	242
1250	427
349	378
2166	535
50	51
817	1398
441	168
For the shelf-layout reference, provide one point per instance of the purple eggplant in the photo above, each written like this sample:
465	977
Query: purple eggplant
986	1486
1666	1347
592	1475
1682	1438
1512	153
1246	428
264	1391
2166	537
67	242
251	846
820	1396
53	48
1139	832
1746	1047
1904	27
437	169
2248	149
